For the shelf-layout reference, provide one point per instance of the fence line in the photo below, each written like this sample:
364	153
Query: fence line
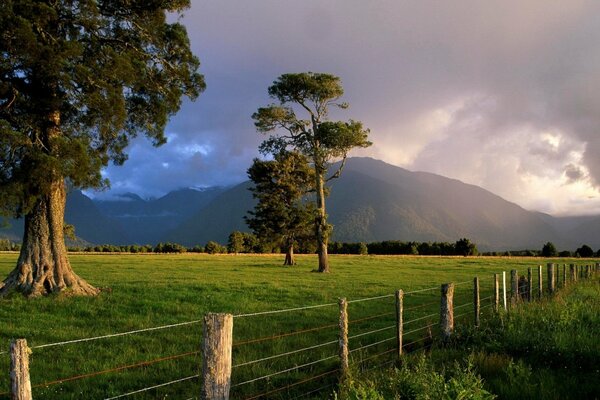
372	332
372	344
284	371
273	337
292	385
285	354
115	334
588	273
153	387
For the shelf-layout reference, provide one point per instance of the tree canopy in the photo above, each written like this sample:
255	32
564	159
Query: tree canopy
310	95
281	216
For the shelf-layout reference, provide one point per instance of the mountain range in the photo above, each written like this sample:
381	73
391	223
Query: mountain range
371	201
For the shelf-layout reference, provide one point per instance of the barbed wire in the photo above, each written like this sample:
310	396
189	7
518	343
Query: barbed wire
421	290
371	298
281	335
115	334
418	329
284	310
154	387
116	369
354	321
463	305
285	354
420	318
422	305
371	332
372	344
283	371
292	385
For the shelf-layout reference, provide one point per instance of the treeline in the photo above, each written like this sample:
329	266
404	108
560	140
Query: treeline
243	242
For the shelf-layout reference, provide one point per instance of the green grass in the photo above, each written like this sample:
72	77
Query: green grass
153	290
547	349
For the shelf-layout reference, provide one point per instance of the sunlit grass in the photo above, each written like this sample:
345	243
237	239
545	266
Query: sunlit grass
143	291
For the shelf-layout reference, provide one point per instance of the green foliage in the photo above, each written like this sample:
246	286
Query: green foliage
419	379
169	248
281	217
213	247
320	140
464	247
77	81
585	251
549	250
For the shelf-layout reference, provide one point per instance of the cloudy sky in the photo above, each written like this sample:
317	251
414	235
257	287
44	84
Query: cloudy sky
498	93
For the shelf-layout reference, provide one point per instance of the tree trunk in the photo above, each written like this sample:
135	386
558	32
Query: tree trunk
43	267
322	230
289	255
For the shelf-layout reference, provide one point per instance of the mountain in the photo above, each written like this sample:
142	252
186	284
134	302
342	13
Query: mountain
372	201
147	221
223	215
375	201
90	223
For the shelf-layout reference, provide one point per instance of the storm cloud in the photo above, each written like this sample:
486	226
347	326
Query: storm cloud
503	94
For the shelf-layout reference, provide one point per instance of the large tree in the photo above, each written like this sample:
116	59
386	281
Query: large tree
78	79
321	140
281	215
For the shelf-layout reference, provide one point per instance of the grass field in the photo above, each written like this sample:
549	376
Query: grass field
153	290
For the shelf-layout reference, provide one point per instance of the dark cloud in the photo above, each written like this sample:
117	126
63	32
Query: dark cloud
500	93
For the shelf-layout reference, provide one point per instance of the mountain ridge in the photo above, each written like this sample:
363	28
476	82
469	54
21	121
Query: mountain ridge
371	201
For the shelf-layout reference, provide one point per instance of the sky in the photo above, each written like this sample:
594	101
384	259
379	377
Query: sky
504	94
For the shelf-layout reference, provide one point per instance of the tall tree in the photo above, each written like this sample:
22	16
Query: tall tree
78	79
281	216
321	140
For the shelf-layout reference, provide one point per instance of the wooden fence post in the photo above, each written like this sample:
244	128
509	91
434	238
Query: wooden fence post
550	267
20	384
496	293
572	273
540	287
447	311
564	277
476	303
529	284
514	288
504	290
216	356
343	339
399	319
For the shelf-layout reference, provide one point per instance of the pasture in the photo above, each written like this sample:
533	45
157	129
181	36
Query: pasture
144	291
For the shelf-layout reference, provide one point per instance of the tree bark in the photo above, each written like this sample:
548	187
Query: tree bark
321	224
43	266
289	255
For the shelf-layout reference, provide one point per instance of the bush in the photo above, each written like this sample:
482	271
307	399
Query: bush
213	247
418	378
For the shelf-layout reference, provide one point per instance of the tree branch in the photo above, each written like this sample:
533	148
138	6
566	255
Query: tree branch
339	171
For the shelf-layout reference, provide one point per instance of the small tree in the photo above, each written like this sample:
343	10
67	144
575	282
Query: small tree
322	141
213	247
280	216
235	242
465	247
585	251
549	250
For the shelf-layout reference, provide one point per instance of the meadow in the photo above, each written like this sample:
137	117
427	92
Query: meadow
142	291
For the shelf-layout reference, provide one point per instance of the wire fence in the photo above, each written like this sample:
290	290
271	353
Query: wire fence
279	352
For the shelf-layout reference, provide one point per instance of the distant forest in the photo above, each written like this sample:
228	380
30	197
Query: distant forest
249	244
